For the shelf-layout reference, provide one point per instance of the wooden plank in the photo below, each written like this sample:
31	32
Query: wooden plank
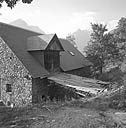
76	83
78	78
85	89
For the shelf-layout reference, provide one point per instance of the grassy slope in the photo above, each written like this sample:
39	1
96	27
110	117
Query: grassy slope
51	115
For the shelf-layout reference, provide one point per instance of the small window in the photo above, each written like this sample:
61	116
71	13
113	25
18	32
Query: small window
71	53
8	88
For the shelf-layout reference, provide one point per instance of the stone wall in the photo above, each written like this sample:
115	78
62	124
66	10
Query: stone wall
39	89
12	71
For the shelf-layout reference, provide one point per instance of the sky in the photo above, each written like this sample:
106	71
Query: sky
66	16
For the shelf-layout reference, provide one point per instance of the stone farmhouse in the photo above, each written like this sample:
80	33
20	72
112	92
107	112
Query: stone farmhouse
28	59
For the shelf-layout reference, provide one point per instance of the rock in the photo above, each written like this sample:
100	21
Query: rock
53	120
13	126
121	116
1	103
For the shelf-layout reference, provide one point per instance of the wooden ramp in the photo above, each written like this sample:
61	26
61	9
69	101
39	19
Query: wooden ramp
79	83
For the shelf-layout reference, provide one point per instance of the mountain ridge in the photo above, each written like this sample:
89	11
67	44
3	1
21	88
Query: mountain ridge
21	23
82	37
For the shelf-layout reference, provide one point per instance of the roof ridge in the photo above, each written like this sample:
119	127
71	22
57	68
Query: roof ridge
20	28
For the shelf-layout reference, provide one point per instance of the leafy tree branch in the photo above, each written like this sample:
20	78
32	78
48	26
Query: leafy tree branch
12	3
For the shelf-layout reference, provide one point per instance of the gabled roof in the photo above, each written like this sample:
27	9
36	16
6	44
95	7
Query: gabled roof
42	42
15	29
36	43
47	37
72	58
16	39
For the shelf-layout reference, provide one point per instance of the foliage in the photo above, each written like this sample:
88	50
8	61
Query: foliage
97	50
115	76
102	48
120	36
121	25
12	3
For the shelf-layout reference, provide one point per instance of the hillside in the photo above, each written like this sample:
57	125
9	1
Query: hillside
61	115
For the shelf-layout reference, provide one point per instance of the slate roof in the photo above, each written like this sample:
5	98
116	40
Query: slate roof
16	39
36	43
19	40
39	42
47	38
72	58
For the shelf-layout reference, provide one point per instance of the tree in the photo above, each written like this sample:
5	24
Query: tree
120	36
121	28
102	48
12	3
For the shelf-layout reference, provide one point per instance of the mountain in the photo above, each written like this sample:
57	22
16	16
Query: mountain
81	38
21	23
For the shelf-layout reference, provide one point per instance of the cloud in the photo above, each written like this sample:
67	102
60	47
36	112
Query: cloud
76	21
49	21
90	13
